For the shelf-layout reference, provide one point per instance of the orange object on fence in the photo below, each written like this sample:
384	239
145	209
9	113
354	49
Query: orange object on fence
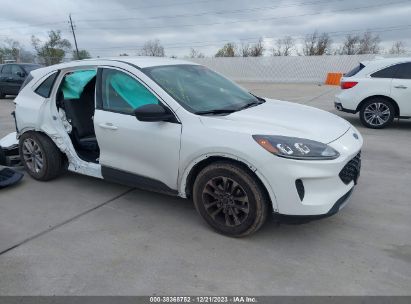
333	78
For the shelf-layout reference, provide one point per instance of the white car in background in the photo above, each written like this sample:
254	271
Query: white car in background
379	90
179	128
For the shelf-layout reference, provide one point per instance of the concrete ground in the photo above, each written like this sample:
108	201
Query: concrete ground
82	236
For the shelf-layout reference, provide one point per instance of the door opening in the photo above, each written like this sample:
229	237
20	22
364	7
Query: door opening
76	97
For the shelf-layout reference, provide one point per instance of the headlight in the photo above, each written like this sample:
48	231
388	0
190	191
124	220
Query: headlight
296	148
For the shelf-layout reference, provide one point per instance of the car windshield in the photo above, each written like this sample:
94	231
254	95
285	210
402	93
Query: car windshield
200	90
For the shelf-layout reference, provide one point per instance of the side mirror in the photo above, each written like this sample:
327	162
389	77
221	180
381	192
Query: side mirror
154	112
21	74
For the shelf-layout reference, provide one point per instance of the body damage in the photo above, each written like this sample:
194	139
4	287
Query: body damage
199	138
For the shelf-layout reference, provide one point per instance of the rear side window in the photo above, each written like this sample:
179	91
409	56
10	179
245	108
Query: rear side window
355	70
45	88
404	71
390	72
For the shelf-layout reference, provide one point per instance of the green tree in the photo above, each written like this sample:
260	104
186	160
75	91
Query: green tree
228	50
82	54
53	50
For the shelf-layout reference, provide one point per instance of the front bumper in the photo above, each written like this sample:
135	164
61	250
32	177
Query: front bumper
325	183
300	219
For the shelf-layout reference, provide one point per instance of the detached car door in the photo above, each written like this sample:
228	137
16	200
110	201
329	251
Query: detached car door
401	88
133	152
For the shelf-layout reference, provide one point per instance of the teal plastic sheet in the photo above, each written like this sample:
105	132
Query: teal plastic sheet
134	93
75	82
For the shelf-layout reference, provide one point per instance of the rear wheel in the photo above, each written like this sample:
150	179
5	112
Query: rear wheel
377	113
230	199
40	156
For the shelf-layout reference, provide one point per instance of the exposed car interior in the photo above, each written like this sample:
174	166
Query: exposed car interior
76	97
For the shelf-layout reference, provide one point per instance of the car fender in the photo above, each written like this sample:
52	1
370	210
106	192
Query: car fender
185	174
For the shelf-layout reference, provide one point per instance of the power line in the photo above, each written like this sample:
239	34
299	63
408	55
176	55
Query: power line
127	9
33	25
215	42
253	9
251	20
157	5
181	15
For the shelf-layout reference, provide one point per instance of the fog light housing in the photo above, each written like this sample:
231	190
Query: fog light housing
300	188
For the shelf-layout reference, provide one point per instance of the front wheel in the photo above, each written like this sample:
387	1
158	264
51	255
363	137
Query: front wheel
40	156
377	113
230	199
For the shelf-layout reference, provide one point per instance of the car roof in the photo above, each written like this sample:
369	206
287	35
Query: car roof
386	61
139	62
371	66
149	61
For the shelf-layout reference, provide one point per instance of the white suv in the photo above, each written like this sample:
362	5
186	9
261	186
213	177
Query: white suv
182	129
379	90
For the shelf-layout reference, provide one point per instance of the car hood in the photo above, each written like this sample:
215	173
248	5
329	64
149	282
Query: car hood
275	117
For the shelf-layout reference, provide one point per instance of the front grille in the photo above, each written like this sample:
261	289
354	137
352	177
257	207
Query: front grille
351	171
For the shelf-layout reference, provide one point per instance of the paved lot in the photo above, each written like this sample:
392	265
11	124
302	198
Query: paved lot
82	236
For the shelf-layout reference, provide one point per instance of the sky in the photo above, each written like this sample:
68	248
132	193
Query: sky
111	27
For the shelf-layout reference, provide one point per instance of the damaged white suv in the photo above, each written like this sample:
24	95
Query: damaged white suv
179	128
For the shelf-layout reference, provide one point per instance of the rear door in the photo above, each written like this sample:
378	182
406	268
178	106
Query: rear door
133	152
401	88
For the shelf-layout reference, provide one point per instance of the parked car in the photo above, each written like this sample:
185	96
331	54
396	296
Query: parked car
12	76
179	128
378	90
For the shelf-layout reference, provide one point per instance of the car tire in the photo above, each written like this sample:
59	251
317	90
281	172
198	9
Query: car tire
2	95
40	156
238	210
377	113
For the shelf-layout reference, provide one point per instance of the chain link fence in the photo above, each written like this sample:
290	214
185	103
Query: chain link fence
285	69
280	69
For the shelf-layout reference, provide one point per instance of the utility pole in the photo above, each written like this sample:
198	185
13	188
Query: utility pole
74	36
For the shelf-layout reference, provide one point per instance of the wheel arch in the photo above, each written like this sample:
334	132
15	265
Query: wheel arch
34	130
392	101
192	171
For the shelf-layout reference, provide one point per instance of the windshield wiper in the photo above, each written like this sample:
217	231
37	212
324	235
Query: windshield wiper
250	104
216	111
229	111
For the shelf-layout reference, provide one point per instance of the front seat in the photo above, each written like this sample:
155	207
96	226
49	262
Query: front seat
80	112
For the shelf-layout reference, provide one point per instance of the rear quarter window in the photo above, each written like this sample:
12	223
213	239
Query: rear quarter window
404	71
46	86
390	72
